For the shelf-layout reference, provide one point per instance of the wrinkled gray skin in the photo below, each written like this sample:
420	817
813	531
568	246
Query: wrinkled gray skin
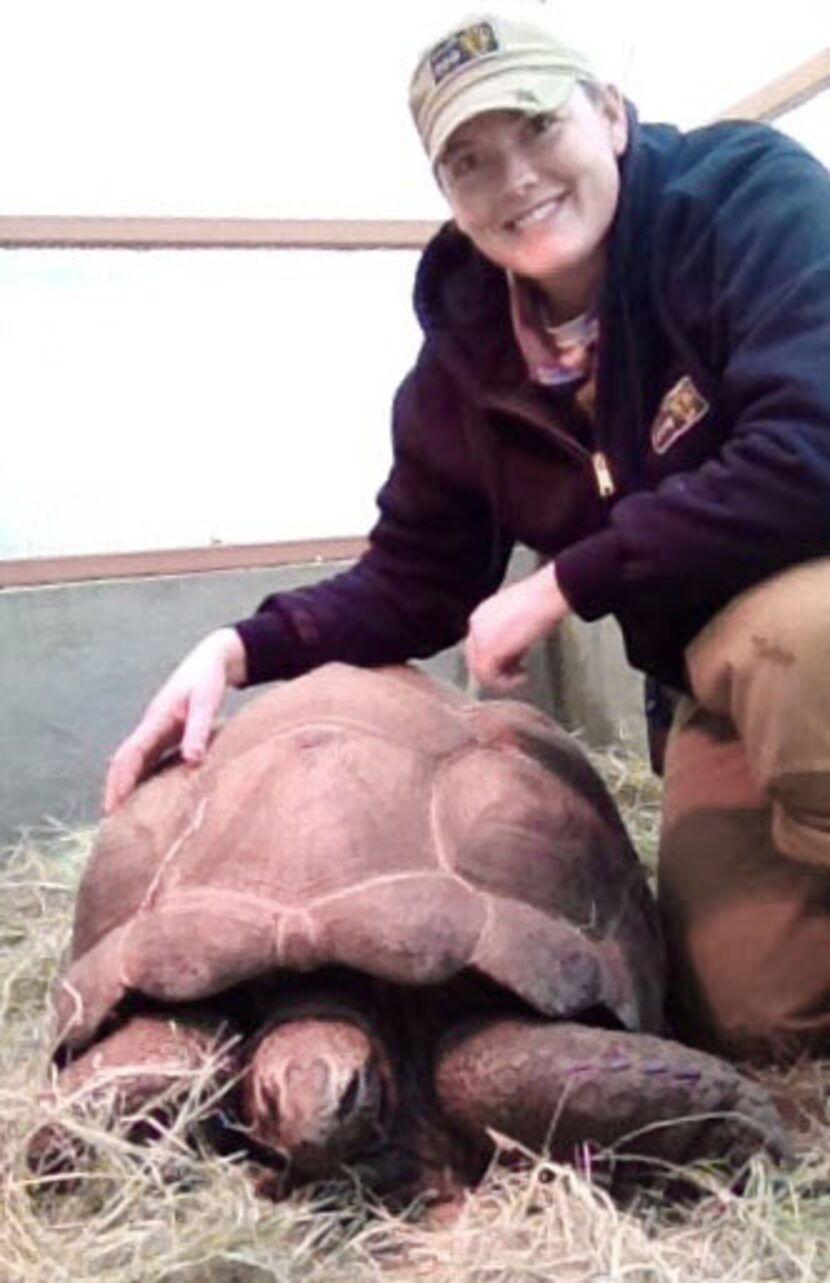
425	920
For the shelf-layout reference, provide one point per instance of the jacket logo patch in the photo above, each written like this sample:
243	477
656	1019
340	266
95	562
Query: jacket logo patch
681	408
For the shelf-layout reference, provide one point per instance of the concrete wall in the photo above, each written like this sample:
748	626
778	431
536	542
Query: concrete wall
79	661
593	689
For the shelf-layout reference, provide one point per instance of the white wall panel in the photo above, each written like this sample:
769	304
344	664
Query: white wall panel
176	398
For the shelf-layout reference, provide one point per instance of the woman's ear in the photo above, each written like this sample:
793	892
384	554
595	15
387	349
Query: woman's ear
612	106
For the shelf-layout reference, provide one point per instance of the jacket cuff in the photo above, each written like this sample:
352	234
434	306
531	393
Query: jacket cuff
589	574
270	650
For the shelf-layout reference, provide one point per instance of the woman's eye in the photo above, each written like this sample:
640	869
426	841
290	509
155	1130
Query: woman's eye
543	122
463	164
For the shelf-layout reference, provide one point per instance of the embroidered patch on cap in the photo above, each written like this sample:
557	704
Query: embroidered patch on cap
464	46
681	408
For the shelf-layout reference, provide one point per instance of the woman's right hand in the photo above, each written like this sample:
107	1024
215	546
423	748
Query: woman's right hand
182	712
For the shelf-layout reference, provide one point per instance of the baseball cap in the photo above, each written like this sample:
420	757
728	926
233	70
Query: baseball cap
491	61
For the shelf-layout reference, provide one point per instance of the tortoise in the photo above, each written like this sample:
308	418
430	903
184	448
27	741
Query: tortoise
423	917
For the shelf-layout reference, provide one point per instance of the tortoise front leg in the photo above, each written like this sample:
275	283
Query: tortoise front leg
555	1087
142	1071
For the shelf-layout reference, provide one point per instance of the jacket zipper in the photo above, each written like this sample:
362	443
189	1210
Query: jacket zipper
600	466
602	473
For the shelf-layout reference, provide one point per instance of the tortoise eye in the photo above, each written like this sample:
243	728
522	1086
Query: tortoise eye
349	1098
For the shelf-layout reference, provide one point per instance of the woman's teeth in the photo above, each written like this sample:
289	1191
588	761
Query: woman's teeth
537	215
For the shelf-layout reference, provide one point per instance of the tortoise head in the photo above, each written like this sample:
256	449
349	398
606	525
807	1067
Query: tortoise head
318	1092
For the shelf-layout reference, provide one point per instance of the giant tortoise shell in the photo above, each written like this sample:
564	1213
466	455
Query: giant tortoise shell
379	824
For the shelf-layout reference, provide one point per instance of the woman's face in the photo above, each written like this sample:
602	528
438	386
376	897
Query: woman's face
537	194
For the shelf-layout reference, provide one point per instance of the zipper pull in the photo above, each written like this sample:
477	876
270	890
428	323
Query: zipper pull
602	472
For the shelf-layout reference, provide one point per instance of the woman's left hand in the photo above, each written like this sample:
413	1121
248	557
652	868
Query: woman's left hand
504	627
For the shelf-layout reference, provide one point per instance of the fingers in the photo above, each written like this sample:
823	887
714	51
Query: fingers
201	714
496	643
504	627
183	711
123	773
499	672
137	754
125	770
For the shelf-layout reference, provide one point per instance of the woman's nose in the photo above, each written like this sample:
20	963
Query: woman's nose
518	171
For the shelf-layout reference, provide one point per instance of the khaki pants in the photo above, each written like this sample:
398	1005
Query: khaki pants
744	879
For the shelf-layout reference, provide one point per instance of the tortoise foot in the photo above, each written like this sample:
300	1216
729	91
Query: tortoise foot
141	1074
557	1088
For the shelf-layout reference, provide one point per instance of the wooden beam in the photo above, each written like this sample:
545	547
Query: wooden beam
35	231
782	95
31	571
